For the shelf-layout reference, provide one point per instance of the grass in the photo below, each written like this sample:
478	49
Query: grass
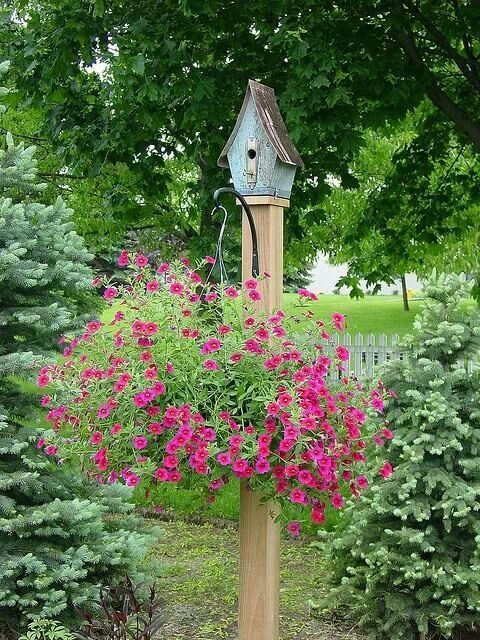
372	314
226	506
199	581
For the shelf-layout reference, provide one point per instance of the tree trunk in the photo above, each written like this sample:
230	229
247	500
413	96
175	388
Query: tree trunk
406	306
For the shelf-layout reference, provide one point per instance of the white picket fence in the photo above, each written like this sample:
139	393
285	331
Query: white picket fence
368	351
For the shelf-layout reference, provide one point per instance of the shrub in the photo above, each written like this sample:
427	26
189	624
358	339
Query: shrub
44	629
409	561
123	613
59	541
183	387
61	537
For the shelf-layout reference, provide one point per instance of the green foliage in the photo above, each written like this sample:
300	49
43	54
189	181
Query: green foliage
44	275
123	612
138	94
386	238
43	629
408	562
61	536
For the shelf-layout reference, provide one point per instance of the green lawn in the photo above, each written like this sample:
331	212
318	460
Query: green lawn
372	314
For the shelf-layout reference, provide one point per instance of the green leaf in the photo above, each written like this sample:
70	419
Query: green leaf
98	8
138	64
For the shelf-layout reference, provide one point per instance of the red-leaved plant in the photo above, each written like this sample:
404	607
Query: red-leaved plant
191	382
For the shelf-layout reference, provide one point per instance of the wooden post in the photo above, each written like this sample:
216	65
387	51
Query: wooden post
259	534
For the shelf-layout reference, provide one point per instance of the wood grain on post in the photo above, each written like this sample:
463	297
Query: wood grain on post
259	534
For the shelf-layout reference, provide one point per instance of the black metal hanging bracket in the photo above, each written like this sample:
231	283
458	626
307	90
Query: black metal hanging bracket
251	222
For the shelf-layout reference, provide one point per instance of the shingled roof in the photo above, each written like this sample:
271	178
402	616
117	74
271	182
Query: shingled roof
266	105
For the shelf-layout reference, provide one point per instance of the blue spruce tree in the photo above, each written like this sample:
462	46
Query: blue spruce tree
409	560
59	541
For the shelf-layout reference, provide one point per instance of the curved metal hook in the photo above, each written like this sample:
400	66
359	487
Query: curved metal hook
251	222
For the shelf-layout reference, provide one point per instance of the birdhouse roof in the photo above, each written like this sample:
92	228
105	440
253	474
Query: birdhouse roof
267	108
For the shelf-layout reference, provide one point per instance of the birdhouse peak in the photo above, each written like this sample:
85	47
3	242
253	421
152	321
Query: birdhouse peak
266	108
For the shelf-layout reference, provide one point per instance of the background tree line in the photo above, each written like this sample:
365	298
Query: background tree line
134	104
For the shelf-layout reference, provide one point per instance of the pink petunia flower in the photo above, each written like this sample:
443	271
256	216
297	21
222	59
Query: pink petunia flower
94	326
103	411
224	329
163	268
262	335
176	288
377	403
139	400
141	261
156	428
285	399
43	380
195	277
152	286
123	259
211	345
159	388
46	401
96	438
342	353
294	528
224	459
132	480
51	450
362	482
161	474
297	496
140	442
150	373
240	466
211	365
304	293
337	500
110	293
251	284
317	516
262	465
231	293
338	320
386	470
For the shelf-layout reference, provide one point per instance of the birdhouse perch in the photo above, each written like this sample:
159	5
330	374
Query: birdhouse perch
261	157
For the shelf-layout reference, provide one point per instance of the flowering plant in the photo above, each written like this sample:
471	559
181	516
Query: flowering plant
190	381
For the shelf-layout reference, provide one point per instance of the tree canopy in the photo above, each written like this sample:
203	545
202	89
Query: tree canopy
150	92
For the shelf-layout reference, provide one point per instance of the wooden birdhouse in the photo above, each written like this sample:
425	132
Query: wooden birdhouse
261	157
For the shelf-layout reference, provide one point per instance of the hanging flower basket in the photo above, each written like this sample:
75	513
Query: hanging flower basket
190	384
